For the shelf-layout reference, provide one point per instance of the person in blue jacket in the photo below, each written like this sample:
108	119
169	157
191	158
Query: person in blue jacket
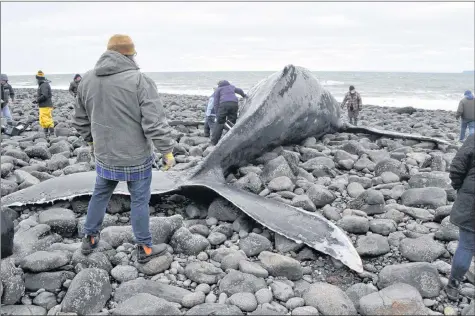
225	106
210	115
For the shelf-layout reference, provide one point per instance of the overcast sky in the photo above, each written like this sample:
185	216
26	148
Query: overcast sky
70	37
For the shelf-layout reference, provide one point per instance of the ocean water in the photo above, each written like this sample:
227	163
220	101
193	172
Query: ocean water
421	90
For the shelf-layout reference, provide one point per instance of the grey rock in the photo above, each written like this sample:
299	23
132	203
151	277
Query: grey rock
304	202
24	310
18	154
183	241
156	265
469	310
88	293
6	168
12	282
59	147
295	302
382	226
370	201
391	165
331	213
283	244
272	308
447	231
394	215
320	196
193	299
203	272
250	182
442	212
254	244
146	304
372	245
282	291
33	239
61	220
264	296
124	273
442	266
168	292
282	183
276	167
223	210
430	196
117	235
162	228
246	302
364	163
397	299
83	155
214	309
314	163
42	261
435	179
253	268
219	254
216	238
109	220
421	275
354	224
355	189
343	155
232	260
421	249
359	290
24	179
238	282
96	259
417	213
8	187
377	155
194	211
50	281
389	177
305	310
77	168
279	265
38	151
329	299
57	161
46	300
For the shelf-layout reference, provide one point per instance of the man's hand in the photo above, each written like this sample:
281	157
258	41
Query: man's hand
169	161
91	149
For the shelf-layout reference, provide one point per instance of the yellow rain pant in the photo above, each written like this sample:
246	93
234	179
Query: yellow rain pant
46	117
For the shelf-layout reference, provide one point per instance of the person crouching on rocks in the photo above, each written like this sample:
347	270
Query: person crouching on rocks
466	111
73	87
354	105
210	116
45	104
119	113
6	91
462	174
225	106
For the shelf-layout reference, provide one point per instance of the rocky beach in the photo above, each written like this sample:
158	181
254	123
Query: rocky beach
392	197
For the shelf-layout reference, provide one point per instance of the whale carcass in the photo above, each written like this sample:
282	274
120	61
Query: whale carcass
284	108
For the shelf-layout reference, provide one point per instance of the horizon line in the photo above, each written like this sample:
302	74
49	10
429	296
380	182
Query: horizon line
221	71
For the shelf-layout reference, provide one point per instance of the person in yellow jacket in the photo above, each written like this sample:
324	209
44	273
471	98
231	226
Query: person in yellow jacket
119	113
45	104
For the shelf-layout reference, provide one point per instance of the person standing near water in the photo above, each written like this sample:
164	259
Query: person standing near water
462	175
225	106
119	113
210	116
354	105
44	100
73	87
6	91
466	111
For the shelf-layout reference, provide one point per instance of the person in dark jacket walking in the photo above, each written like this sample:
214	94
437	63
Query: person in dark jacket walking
226	106
6	92
210	116
73	87
466	112
45	104
353	104
118	111
462	174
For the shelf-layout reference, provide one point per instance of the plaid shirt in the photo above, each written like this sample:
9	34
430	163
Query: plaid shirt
128	173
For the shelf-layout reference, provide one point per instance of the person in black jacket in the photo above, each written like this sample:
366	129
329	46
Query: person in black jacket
6	92
45	103
73	87
462	174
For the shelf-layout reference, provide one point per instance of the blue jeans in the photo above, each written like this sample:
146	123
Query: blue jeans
139	211
463	255
463	127
6	113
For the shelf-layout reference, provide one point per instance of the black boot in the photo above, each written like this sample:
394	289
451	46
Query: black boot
51	131
145	254
46	130
452	289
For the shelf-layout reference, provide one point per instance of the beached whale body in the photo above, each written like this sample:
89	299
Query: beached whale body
284	108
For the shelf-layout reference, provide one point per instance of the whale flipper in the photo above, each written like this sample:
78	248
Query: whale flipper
374	131
81	184
295	224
